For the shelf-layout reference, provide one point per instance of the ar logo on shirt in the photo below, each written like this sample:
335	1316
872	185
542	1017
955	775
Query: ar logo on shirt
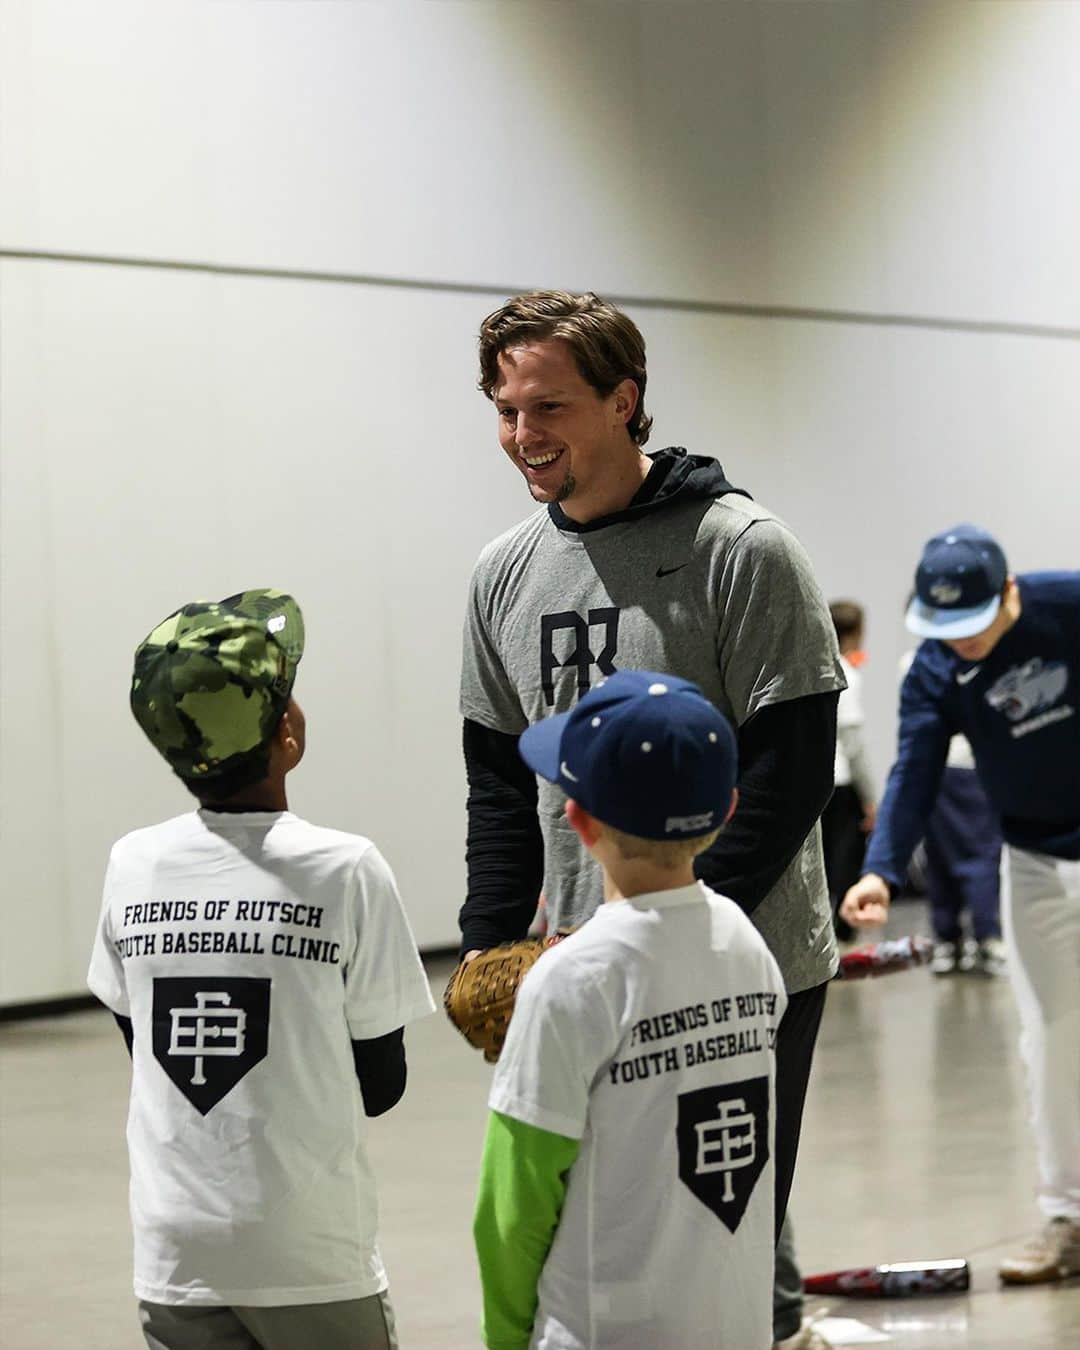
209	1032
580	655
723	1143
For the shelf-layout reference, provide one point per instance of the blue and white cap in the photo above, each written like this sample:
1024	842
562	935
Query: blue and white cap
958	584
643	752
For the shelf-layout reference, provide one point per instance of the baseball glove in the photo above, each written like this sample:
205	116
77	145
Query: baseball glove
479	999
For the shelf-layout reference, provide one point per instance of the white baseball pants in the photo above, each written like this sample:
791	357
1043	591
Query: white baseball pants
1040	908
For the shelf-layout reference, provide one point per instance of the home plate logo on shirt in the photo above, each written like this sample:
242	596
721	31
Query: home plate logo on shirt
723	1141
209	1032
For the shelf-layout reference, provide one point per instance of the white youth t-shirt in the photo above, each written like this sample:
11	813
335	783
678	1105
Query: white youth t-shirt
647	1035
852	765
248	951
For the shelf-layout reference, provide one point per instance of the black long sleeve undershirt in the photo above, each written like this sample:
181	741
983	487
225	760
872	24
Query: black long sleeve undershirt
381	1069
504	849
127	1030
786	756
379	1062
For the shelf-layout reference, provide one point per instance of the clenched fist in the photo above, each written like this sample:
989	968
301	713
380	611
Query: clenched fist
866	904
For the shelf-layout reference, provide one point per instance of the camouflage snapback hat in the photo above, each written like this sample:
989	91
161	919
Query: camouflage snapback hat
212	680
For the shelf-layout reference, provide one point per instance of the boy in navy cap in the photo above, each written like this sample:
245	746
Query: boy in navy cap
626	1194
1002	666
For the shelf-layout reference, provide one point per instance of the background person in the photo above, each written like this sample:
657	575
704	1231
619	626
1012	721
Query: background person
849	816
961	858
1002	665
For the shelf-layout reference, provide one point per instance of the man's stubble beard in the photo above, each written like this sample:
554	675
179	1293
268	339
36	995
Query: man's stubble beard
568	488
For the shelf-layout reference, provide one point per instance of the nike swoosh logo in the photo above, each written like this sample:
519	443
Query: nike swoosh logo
567	774
667	571
966	676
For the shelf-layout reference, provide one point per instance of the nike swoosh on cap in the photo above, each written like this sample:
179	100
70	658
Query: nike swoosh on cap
567	774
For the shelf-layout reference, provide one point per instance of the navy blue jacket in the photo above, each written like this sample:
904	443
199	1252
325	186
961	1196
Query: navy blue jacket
1018	708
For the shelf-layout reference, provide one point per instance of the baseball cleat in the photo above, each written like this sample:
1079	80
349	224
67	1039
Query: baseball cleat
1053	1254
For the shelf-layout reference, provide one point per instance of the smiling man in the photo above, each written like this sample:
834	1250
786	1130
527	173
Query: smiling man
642	562
1001	664
571	441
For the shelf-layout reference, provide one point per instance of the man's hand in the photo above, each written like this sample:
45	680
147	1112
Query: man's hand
866	904
470	956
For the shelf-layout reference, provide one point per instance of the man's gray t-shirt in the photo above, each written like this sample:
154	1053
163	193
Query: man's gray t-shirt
716	590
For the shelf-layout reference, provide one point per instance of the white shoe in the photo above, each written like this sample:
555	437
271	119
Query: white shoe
943	960
1052	1254
969	956
991	959
806	1338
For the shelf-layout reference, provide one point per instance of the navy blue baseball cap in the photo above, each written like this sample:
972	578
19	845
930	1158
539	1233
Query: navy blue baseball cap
643	752
958	584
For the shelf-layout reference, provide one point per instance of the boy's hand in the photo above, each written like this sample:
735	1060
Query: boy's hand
866	904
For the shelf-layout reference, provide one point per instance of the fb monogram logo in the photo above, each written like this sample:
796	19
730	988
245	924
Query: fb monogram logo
723	1144
580	656
209	1032
195	1034
727	1142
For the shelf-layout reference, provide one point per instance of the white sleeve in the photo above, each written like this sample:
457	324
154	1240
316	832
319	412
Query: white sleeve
849	708
105	977
385	984
851	737
561	1033
862	778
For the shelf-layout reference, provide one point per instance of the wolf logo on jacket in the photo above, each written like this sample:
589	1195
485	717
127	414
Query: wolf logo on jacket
1028	688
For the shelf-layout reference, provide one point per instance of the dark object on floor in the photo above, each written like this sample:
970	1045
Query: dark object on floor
904	1279
883	958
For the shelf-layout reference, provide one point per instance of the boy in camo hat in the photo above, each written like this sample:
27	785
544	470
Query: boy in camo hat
212	689
262	971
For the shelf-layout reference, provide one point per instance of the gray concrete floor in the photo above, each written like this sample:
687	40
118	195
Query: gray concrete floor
915	1145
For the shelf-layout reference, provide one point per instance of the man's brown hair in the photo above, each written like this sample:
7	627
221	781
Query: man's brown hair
606	345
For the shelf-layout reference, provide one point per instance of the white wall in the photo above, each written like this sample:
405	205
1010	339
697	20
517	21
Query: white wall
171	434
